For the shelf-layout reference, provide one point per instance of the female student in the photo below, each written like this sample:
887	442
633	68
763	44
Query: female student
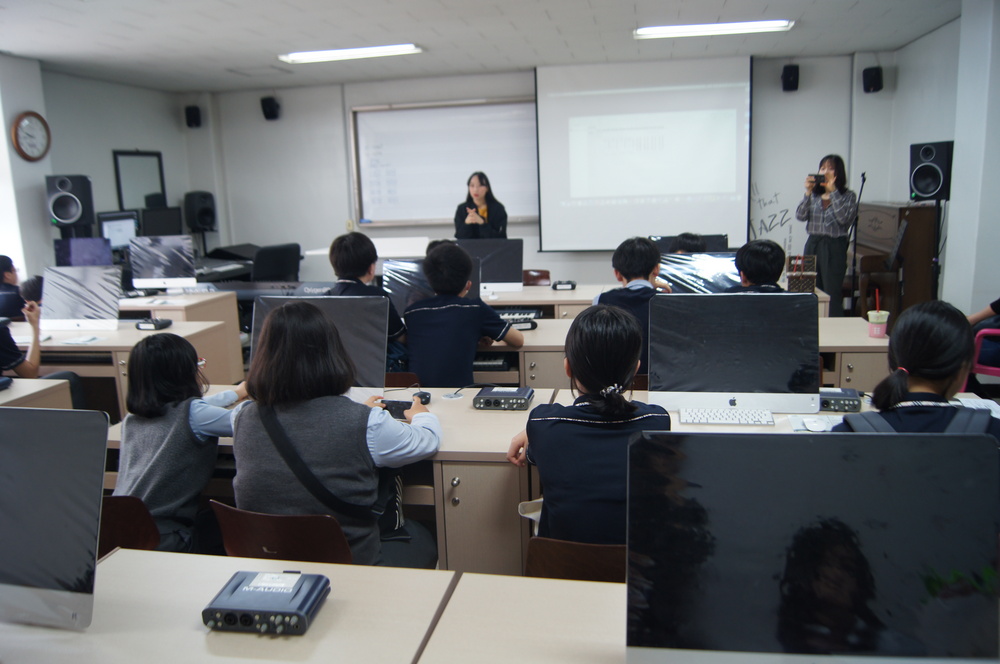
170	436
930	352
298	378
481	215
582	450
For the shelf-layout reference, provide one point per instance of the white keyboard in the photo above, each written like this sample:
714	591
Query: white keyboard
725	416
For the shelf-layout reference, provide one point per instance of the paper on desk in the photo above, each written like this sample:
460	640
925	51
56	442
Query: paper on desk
985	404
23	340
81	341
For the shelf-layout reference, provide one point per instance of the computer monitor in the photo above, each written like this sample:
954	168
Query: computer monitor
81	298
361	322
500	263
81	251
404	281
848	544
162	221
162	262
743	350
700	273
119	227
50	508
712	242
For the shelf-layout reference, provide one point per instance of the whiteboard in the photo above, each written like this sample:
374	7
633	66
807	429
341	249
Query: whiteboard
412	164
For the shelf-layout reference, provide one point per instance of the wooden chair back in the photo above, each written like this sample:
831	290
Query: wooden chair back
316	538
559	559
126	523
535	278
402	379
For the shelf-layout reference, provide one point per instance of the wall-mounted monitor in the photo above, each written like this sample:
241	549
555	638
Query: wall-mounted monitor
81	298
163	262
119	227
82	251
500	263
162	221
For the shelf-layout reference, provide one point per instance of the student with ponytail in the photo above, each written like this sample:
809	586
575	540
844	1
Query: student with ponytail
582	450
930	352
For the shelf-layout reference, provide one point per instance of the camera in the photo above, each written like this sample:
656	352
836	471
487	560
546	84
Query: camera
819	188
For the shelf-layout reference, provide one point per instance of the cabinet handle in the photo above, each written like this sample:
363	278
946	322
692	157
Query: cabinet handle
455	501
850	367
455	481
532	365
532	376
847	380
122	364
564	314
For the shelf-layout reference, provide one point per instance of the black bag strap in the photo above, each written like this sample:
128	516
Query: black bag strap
306	476
970	420
868	422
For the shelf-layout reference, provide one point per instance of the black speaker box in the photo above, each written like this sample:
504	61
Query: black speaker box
192	116
271	108
70	201
930	171
790	78
199	211
871	79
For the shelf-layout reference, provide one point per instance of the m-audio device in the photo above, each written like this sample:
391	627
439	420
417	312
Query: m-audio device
503	398
839	400
267	603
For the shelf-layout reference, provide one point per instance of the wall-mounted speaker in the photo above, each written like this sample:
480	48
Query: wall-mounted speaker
70	200
930	171
871	79
271	108
790	78
192	116
199	211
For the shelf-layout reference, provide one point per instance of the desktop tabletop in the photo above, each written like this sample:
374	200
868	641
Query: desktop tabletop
124	336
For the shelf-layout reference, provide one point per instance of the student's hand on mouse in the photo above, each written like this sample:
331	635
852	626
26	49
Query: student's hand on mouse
417	407
31	311
517	453
374	401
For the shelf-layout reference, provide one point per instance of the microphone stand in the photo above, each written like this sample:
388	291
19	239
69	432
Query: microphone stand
854	253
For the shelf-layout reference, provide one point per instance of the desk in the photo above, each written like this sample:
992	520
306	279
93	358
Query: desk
148	609
108	356
37	393
214	306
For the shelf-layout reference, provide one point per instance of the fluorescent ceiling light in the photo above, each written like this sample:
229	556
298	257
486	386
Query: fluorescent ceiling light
349	53
709	29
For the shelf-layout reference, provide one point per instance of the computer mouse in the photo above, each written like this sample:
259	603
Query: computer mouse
425	397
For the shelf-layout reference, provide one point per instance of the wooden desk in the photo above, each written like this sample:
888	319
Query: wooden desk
214	306
37	393
148	609
107	357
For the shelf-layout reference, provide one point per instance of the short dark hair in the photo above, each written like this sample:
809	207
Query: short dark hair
448	268
636	258
838	167
433	244
31	288
6	264
352	255
688	243
761	261
299	356
162	370
931	340
602	347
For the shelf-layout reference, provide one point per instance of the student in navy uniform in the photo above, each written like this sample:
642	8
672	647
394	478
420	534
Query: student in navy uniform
353	257
24	365
636	263
582	450
11	301
930	353
760	263
444	331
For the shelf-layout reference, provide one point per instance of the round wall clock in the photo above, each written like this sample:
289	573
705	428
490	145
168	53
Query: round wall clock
31	136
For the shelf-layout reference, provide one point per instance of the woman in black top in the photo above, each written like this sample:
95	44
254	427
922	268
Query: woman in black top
481	215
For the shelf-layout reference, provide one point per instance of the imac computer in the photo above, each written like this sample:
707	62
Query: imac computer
119	227
163	262
404	281
699	273
500	263
735	350
82	251
81	298
162	221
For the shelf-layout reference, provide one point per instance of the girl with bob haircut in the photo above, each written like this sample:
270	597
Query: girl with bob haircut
930	353
170	438
481	215
582	450
299	376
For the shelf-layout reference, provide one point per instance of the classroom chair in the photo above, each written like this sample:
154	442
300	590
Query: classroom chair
314	538
126	523
984	369
559	559
535	278
277	262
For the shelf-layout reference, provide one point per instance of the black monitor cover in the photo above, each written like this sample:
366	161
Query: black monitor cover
81	251
404	281
881	544
162	257
500	260
699	273
712	242
162	221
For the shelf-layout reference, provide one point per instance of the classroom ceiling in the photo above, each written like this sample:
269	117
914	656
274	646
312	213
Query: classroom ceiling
220	45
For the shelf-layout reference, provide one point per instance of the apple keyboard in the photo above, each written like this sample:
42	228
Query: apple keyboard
725	416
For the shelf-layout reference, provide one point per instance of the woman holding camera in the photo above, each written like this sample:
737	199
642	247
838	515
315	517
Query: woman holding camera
829	209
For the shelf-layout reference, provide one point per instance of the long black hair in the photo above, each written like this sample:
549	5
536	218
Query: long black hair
838	167
931	340
483	180
602	347
162	370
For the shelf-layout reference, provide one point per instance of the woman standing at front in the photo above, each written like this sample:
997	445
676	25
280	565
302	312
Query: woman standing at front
828	209
481	215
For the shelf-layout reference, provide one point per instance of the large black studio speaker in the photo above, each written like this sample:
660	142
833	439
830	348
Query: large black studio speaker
199	211
930	171
70	201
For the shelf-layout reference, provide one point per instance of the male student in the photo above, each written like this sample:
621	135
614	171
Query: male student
353	257
636	262
443	332
760	263
10	299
